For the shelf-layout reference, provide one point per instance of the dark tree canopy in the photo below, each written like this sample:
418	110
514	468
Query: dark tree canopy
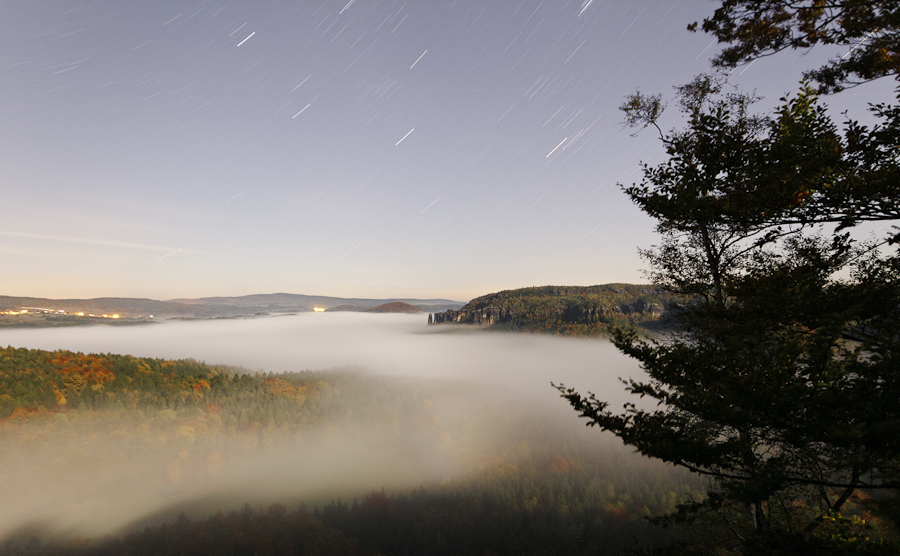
780	376
792	167
869	29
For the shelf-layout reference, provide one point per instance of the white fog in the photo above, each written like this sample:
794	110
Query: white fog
490	391
391	344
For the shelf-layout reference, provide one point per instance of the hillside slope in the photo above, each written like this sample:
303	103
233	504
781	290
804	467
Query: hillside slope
395	307
568	310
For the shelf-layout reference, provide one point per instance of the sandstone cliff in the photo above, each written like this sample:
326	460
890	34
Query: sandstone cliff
483	316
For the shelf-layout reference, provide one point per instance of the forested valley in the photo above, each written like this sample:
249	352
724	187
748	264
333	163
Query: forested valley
111	435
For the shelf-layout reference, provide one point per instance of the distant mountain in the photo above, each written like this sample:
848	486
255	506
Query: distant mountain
208	307
395	307
568	310
282	302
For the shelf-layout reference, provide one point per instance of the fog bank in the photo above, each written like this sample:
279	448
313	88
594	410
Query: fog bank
391	344
487	396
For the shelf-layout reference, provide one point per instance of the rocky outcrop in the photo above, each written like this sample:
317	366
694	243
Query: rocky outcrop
485	316
643	307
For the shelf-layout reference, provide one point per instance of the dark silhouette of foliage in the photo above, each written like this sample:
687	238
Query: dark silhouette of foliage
780	378
868	29
245	532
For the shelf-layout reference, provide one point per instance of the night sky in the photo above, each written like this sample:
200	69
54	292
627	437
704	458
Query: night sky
371	148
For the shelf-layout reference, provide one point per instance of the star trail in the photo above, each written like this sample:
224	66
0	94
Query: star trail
326	127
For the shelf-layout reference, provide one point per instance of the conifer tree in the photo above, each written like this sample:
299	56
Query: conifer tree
779	377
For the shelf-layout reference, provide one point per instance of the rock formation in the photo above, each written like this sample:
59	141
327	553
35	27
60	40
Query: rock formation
485	316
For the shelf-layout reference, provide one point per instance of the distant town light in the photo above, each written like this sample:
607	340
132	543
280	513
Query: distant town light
318	309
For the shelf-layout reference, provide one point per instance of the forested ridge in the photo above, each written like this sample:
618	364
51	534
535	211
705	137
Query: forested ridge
566	310
37	381
526	484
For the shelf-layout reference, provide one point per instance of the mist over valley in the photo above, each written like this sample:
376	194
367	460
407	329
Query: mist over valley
344	404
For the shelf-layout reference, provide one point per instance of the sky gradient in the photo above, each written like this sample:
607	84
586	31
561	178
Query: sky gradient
370	148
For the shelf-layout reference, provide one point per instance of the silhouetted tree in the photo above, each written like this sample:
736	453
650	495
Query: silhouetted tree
780	378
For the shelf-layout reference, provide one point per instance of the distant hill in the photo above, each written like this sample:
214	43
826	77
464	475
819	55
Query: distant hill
64	312
395	307
283	302
356	308
568	310
123	306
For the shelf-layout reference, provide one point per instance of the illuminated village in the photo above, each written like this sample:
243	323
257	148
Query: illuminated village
41	310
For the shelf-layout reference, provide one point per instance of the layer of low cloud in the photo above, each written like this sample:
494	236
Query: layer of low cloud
493	386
